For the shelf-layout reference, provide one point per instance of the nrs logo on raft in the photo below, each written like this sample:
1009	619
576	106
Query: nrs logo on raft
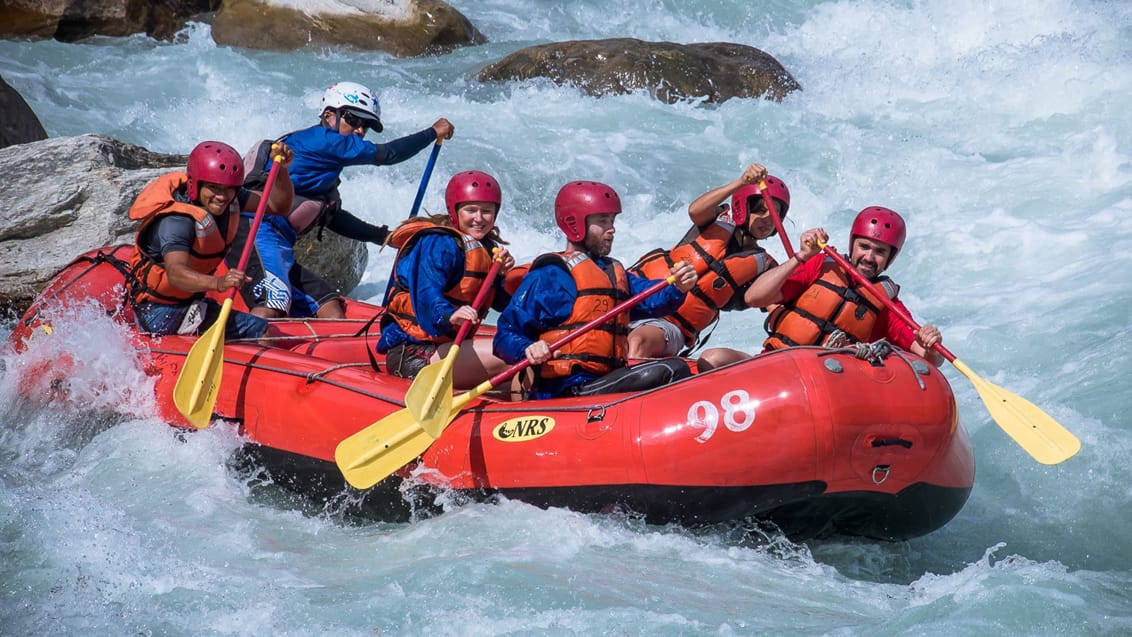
523	429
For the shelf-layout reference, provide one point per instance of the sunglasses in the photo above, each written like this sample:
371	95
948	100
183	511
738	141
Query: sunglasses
356	121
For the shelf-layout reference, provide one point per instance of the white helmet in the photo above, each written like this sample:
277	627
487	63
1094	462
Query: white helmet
355	98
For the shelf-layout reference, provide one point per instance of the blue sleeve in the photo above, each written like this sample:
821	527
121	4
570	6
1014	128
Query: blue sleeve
663	303
329	147
403	148
320	155
430	267
544	299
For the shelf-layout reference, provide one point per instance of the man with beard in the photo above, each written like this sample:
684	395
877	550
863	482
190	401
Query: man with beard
819	304
565	290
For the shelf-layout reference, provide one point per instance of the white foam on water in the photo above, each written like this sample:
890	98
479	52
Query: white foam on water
998	131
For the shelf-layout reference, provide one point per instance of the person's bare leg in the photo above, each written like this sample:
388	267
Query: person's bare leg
331	309
476	363
646	341
266	312
718	357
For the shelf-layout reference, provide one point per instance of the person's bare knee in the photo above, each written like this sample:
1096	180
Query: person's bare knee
476	363
646	342
331	309
636	343
718	357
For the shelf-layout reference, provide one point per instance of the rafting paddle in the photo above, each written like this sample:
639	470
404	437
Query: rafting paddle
374	453
415	209
197	386
435	380
1046	440
777	219
426	176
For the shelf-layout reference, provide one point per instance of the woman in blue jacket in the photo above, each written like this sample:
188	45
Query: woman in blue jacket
441	264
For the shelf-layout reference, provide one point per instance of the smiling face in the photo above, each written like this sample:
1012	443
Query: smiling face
760	224
476	218
216	198
599	234
870	256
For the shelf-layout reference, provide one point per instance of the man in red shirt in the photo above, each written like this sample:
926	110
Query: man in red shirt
819	304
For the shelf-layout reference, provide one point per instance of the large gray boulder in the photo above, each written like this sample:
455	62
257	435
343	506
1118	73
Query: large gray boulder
714	71
18	123
400	27
71	20
64	196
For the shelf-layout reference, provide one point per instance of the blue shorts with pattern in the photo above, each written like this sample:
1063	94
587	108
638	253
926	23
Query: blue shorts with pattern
159	318
276	289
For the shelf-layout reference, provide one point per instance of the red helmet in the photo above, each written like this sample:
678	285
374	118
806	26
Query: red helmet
214	162
471	185
580	199
881	224
741	203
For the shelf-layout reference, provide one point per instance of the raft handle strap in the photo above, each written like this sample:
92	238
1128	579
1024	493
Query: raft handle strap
888	442
915	374
876	352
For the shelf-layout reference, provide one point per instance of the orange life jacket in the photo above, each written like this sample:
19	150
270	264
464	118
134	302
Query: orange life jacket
721	288
707	251
603	348
700	248
833	302
150	281
477	261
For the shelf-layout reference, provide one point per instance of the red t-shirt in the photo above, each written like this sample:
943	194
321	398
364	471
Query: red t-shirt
887	326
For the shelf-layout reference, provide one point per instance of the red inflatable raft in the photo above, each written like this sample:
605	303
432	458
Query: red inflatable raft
815	440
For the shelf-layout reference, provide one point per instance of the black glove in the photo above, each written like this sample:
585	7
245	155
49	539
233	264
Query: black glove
347	225
379	234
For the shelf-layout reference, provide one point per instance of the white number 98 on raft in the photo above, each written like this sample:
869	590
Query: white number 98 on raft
738	414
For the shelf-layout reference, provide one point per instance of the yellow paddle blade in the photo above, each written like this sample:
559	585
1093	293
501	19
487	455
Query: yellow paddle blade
430	396
376	452
197	386
1035	431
